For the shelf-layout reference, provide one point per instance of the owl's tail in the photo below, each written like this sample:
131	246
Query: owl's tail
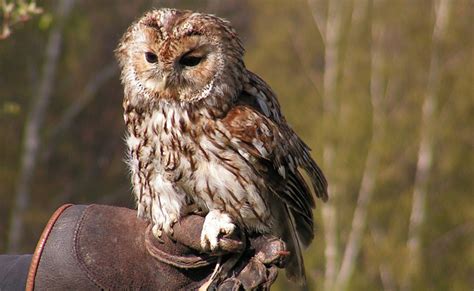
295	243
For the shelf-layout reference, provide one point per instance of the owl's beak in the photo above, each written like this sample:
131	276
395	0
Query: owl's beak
157	84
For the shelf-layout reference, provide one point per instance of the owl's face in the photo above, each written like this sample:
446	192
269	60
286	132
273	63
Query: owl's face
180	55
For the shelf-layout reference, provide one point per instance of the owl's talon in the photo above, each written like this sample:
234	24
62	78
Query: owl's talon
215	224
171	231
171	235
157	232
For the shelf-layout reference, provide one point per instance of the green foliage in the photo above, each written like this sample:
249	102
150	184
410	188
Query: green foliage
45	21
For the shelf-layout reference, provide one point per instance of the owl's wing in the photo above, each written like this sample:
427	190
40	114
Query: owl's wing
258	95
269	149
261	134
259	140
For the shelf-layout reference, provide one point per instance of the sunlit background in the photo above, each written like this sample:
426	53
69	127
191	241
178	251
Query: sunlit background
381	90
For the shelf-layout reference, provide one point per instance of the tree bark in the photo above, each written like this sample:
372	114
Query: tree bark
33	126
425	152
367	186
330	29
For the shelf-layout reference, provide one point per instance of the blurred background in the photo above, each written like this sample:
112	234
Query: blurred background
381	90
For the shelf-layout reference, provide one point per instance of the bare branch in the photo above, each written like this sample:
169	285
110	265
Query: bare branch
425	152
360	10
386	274
34	123
319	16
304	61
90	92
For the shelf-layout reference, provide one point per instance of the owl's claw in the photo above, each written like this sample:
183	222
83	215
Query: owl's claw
170	231
157	231
216	223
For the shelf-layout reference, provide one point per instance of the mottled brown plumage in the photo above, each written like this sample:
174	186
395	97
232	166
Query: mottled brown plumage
205	131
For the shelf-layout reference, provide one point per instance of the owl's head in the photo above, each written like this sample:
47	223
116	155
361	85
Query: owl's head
180	56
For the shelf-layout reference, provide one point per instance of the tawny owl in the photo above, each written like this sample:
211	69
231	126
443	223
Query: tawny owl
203	130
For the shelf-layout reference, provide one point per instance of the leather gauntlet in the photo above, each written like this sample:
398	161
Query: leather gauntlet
104	247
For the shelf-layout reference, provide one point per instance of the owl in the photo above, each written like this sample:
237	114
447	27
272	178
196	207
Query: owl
204	131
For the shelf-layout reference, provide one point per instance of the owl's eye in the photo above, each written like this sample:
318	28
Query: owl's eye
190	61
151	57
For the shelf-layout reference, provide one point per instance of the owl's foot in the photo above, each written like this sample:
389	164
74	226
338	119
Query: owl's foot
159	229
216	223
169	229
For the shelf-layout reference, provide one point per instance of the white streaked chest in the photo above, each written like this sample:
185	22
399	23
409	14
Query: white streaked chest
203	167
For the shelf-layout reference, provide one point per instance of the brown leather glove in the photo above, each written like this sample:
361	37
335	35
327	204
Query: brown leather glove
104	247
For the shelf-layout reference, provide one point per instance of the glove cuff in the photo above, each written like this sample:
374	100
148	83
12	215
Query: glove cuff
30	281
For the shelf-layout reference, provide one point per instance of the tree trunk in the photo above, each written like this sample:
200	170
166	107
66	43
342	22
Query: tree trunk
331	36
34	123
367	186
425	152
